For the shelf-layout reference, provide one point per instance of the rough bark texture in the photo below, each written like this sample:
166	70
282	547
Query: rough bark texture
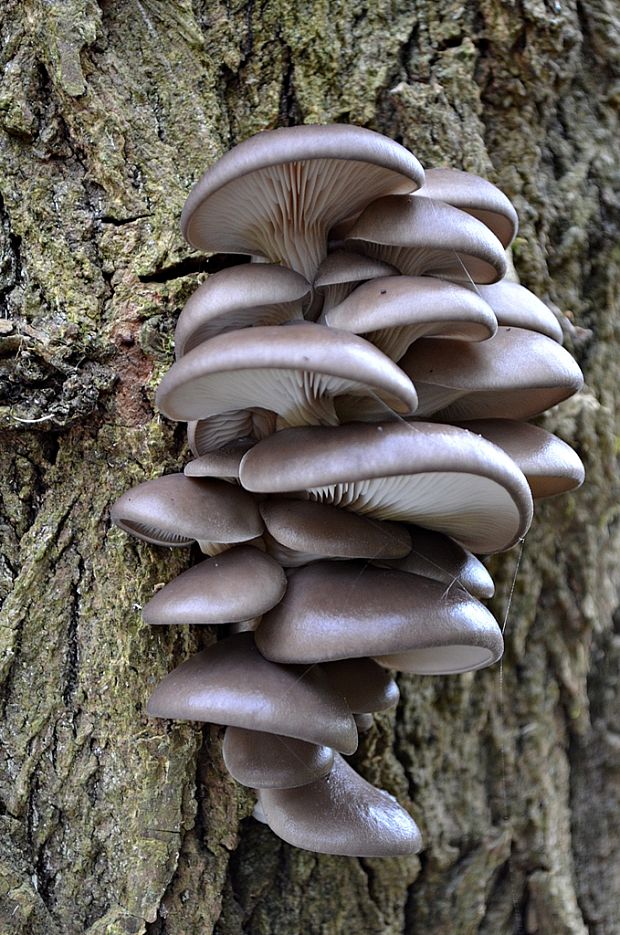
112	823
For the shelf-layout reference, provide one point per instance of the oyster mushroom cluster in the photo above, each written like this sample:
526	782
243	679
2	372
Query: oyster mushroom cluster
357	399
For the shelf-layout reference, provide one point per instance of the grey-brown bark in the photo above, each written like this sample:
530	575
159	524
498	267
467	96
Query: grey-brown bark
112	823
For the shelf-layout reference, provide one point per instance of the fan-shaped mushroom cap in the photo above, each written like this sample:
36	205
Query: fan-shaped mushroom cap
175	510
269	761
240	297
435	476
420	236
395	312
341	814
365	686
338	610
516	306
476	196
550	465
516	373
293	371
436	556
229	429
223	463
239	584
230	683
300	531
341	271
278	193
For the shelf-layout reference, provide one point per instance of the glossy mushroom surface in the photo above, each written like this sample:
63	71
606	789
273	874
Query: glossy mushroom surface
270	761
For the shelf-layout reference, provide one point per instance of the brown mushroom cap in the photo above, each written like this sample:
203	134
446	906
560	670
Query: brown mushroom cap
516	373
229	428
299	531
278	193
476	196
223	463
436	476
365	685
269	761
293	371
421	236
230	683
341	814
240	297
516	306
550	466
393	313
175	510
436	556
210	592
343	610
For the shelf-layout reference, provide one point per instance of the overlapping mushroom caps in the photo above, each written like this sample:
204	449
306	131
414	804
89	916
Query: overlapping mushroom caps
341	551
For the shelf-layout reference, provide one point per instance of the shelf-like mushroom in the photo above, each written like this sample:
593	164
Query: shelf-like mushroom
229	429
436	556
423	237
516	306
393	313
295	371
231	683
516	373
475	196
341	271
436	476
210	593
175	510
240	297
223	463
270	761
347	610
365	685
341	814
278	194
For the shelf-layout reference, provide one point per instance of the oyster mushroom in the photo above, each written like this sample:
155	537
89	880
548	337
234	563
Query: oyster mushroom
229	428
516	306
269	761
436	556
341	271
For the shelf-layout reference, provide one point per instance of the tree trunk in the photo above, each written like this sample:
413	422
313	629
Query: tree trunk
113	823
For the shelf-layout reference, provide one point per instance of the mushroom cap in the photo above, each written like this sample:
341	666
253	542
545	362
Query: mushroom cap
240	297
439	557
230	683
210	592
277	194
393	313
338	610
269	761
175	510
223	463
550	466
476	196
343	267
341	814
303	530
516	306
423	236
229	429
516	373
365	685
436	476
293	371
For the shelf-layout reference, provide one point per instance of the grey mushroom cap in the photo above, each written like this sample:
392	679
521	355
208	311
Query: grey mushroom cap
346	610
175	510
341	271
516	373
423	237
476	196
341	814
278	194
439	557
393	313
436	476
516	306
299	531
270	761
365	685
222	463
551	467
240	297
294	371
231	683
210	593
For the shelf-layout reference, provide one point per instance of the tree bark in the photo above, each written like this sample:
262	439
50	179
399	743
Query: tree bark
113	823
